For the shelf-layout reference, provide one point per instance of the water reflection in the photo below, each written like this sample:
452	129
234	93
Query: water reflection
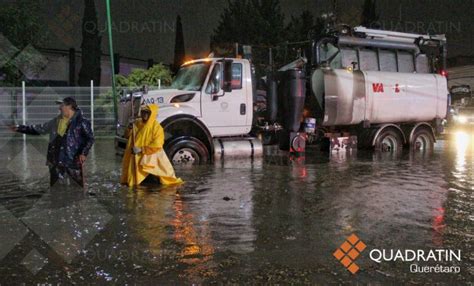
149	215
198	248
462	142
245	219
191	222
459	174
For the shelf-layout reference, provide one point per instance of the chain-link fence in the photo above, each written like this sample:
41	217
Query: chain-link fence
36	105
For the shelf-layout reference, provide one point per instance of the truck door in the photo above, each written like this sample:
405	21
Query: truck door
226	113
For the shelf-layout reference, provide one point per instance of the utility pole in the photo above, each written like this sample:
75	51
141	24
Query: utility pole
111	52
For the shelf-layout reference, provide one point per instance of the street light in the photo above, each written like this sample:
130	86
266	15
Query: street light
111	51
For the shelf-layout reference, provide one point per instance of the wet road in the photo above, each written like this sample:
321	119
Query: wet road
274	220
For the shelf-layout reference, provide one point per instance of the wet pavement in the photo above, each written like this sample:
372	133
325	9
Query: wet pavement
274	220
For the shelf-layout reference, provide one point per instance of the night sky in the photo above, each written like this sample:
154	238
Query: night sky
145	29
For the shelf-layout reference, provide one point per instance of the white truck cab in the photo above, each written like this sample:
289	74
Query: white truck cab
209	99
198	90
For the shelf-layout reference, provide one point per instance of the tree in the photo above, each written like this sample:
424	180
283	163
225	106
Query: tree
299	31
299	27
91	46
304	27
21	33
253	22
140	77
369	16
179	50
258	23
270	21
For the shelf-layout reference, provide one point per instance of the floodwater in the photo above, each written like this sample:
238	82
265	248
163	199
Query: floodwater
273	220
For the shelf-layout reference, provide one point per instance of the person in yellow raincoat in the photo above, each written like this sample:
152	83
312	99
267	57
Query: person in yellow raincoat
144	154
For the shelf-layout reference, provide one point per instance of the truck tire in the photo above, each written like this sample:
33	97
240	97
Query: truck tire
422	140
389	140
187	150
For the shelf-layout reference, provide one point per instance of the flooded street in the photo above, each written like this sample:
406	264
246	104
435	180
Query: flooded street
273	220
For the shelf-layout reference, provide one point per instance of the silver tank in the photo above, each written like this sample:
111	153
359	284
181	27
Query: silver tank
237	148
379	97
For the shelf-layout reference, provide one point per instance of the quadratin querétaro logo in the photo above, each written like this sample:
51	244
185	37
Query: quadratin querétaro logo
350	249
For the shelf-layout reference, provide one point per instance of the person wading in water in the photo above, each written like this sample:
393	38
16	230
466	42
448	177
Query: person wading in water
144	154
70	140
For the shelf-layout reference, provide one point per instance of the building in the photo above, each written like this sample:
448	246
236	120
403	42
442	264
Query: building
61	68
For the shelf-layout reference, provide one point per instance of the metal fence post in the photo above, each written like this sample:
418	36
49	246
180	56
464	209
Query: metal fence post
23	105
159	83
92	105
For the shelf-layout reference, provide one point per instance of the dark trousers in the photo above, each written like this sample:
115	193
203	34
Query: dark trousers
65	175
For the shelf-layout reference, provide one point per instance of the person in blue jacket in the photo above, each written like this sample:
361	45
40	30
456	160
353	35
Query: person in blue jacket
70	139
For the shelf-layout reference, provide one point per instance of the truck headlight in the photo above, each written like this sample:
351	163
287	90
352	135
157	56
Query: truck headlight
460	119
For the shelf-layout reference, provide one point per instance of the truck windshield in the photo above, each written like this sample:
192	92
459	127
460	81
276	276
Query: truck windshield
191	77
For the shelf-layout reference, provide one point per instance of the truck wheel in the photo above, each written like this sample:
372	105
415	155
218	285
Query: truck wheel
187	150
389	140
422	140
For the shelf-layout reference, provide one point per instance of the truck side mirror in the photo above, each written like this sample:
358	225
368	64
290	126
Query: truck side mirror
227	76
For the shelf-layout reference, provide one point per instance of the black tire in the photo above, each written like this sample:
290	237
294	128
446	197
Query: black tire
422	140
389	140
187	150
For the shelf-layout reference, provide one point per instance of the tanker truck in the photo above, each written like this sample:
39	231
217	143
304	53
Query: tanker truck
358	88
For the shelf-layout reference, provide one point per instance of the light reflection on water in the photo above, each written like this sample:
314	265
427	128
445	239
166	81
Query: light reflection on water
463	142
240	218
